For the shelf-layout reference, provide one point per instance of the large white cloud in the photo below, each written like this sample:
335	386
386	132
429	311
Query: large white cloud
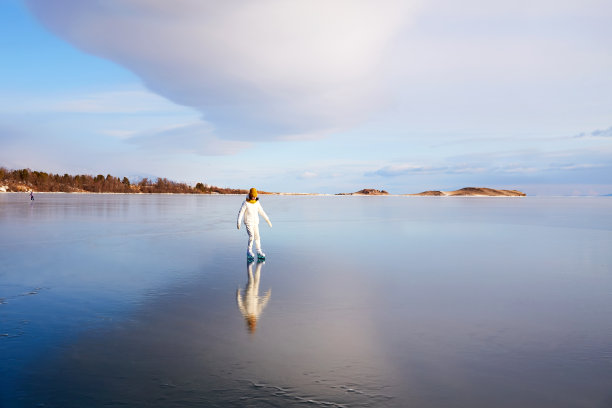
266	69
255	69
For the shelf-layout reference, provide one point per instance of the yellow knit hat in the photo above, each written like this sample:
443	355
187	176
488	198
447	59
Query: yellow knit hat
253	193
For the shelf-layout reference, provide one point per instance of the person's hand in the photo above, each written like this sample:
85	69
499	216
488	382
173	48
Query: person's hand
238	226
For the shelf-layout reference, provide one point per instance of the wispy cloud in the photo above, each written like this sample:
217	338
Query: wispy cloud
119	133
132	102
484	168
123	101
192	138
411	169
579	166
605	133
308	175
401	169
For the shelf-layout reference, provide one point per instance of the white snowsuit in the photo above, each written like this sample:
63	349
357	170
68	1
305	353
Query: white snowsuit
251	212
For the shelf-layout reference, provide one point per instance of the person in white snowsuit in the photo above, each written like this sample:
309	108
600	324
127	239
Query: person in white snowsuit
250	303
250	211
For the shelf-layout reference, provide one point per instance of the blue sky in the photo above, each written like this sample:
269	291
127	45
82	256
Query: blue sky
312	96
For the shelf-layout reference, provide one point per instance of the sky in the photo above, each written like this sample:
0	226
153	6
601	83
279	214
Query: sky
312	96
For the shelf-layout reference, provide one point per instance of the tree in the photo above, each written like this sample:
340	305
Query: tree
42	181
24	175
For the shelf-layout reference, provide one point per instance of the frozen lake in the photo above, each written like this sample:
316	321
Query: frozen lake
429	302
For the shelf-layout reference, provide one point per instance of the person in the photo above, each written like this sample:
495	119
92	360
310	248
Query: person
31	195
250	211
251	304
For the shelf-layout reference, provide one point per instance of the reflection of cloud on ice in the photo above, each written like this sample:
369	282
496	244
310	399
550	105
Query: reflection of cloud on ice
284	67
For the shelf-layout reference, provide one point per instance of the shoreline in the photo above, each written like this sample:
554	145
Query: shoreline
266	194
311	195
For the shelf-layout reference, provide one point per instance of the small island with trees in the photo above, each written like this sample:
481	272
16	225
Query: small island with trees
39	181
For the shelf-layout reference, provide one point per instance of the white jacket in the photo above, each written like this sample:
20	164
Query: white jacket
251	212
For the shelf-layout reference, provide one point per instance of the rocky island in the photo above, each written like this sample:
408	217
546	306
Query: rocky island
473	192
367	191
464	192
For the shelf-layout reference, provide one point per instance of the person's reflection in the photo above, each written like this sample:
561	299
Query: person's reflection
250	303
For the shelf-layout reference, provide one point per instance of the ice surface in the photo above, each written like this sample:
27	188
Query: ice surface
367	301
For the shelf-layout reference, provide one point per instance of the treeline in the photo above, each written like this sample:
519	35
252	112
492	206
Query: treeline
39	181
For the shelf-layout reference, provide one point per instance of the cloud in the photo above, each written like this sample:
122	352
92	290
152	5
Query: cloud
596	133
123	101
132	102
581	166
514	164
308	175
119	133
395	170
406	169
257	70
192	138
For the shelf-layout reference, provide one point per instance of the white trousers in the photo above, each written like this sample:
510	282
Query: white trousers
253	231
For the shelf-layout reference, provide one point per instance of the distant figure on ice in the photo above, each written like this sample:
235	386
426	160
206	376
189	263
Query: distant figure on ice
31	195
251	210
251	304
